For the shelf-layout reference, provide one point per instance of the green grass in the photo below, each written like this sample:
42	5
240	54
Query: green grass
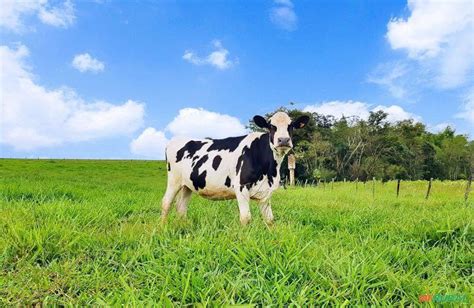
88	232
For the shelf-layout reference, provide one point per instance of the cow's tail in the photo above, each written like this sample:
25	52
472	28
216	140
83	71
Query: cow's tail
168	164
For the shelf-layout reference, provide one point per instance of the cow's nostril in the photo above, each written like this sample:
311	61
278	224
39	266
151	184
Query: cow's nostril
283	141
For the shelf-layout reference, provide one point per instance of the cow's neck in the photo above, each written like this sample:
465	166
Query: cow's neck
276	156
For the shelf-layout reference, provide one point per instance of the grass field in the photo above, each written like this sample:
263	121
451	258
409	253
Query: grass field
88	232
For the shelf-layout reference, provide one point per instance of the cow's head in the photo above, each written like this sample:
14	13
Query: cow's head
281	128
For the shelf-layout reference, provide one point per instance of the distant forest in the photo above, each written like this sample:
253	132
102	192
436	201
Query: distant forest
353	148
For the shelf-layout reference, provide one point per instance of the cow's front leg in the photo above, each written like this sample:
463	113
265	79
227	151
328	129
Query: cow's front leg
243	199
266	211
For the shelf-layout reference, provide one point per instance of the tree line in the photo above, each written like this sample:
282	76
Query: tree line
353	148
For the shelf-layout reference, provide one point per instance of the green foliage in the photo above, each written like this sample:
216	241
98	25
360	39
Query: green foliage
88	233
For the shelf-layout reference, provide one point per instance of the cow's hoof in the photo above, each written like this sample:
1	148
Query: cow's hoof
244	221
182	216
269	223
163	220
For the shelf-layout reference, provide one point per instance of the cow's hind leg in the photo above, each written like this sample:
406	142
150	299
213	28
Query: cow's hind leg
266	211
182	204
171	190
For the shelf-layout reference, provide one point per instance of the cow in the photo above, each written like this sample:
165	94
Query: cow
243	168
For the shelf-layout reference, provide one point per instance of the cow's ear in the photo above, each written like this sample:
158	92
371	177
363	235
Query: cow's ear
260	122
300	122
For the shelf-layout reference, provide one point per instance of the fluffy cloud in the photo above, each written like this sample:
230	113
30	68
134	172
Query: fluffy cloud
84	62
339	109
361	110
391	76
200	123
35	117
150	143
218	58
190	122
283	15
438	35
13	11
397	113
467	107
439	127
430	26
59	16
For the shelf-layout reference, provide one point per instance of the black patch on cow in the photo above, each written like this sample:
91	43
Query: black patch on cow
191	147
199	180
194	160
256	162
216	162
169	167
227	181
273	130
229	144
290	130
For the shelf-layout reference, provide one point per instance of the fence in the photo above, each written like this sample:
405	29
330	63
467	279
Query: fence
430	187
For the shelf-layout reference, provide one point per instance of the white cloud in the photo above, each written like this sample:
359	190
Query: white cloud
200	123
431	26
34	117
13	12
390	75
84	62
218	58
397	113
59	16
190	122
439	127
438	35
467	107
338	109
283	15
150	143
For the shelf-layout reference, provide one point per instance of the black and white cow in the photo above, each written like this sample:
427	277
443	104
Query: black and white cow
242	168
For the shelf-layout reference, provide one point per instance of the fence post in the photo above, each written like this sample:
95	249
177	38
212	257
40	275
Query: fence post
398	187
357	182
429	189
332	184
291	168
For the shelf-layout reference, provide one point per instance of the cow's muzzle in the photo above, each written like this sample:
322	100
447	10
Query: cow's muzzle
284	142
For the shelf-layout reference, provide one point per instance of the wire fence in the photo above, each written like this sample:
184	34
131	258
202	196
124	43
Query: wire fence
425	188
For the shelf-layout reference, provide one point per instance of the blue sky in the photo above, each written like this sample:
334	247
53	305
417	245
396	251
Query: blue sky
118	79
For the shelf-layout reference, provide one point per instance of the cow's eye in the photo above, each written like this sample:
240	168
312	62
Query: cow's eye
273	128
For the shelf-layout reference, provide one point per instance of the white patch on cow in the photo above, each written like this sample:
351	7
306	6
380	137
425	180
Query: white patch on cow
281	121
